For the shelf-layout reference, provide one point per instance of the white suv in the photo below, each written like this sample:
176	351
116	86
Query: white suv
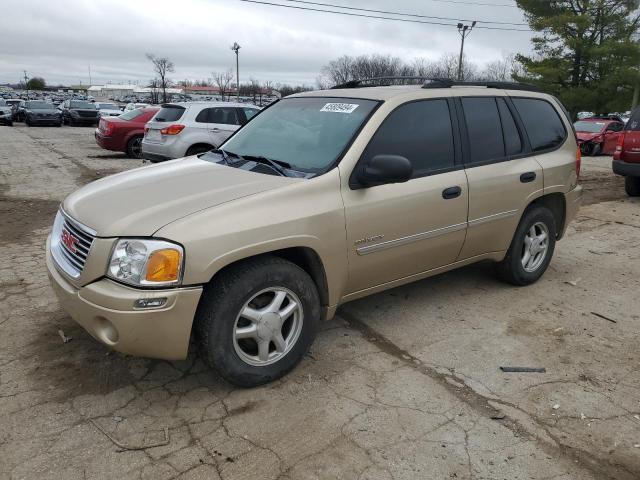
188	128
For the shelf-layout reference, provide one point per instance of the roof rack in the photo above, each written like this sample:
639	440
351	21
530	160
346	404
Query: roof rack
429	82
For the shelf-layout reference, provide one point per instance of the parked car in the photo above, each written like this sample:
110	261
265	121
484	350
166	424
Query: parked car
626	159
124	133
598	135
6	115
107	109
188	128
132	106
320	199
38	112
17	107
78	112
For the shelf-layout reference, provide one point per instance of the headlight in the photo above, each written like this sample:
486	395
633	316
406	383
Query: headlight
144	262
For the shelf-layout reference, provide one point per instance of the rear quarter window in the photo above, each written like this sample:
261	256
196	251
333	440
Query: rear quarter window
634	122
542	123
169	113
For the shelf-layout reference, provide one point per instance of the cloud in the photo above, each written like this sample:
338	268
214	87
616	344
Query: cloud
60	40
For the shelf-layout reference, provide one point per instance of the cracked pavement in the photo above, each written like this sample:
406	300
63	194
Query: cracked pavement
400	385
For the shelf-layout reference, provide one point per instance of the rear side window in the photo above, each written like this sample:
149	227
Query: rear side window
634	122
224	115
420	131
512	140
484	127
542	123
169	113
250	112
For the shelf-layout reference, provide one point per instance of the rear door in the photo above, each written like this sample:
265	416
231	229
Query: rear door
502	174
223	121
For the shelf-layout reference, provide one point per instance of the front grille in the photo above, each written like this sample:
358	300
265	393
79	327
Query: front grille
70	244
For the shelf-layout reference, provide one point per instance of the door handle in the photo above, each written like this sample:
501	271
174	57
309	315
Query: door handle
215	129
451	192
528	177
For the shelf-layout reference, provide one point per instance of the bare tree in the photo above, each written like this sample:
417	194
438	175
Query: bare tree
162	66
153	85
502	70
222	80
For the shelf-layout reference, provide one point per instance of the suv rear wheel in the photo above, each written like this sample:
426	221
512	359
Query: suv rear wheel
531	248
256	320
632	186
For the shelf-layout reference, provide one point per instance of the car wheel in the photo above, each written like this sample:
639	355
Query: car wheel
586	149
195	150
72	122
59	124
632	186
257	319
10	123
597	149
531	248
134	147
27	122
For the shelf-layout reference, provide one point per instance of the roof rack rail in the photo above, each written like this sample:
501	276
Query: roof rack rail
430	82
386	81
501	85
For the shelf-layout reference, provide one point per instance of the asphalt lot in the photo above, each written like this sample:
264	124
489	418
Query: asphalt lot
401	385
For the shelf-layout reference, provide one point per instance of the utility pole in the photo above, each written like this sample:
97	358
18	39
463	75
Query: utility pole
90	82
464	31
26	83
236	48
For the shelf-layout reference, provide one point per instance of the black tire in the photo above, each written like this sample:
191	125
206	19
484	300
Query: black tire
597	149
511	268
586	149
134	147
10	123
196	149
226	295
632	186
59	124
27	122
72	122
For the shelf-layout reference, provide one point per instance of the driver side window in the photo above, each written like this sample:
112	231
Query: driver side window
419	131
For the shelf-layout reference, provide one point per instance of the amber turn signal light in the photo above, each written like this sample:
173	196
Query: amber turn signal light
163	266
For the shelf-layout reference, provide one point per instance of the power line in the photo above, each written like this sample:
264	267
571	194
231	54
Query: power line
379	17
401	13
478	3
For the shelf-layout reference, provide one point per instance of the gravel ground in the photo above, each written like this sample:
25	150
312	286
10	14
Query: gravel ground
400	385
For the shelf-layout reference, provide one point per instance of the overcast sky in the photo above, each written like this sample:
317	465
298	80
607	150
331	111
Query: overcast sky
58	40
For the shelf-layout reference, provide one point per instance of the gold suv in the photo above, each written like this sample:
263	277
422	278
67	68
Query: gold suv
322	198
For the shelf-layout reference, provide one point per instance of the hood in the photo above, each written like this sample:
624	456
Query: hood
586	136
141	201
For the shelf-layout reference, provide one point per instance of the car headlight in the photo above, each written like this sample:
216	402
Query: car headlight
145	262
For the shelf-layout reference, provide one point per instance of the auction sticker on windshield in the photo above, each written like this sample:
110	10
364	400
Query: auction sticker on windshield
339	107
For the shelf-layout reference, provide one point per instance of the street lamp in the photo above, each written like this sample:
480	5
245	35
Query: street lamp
236	48
464	31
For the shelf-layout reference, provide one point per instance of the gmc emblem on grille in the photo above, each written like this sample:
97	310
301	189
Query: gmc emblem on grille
69	240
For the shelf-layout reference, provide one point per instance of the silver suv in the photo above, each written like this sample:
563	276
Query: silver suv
188	128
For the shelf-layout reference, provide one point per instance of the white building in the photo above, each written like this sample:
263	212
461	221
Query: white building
115	90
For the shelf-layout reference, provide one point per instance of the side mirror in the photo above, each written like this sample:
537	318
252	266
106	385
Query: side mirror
382	169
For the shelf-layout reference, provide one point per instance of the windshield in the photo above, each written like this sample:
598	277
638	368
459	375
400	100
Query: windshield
81	104
308	133
590	127
107	106
131	114
39	105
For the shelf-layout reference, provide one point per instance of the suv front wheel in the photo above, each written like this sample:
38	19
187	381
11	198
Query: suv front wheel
257	319
531	248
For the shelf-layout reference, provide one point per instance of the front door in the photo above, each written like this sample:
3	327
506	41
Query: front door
399	230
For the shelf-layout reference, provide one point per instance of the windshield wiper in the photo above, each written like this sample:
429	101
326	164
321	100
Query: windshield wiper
275	164
223	154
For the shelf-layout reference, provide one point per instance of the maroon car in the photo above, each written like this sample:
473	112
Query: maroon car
626	158
124	133
598	135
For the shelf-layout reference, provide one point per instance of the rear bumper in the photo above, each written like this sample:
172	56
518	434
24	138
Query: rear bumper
105	310
155	157
573	200
626	169
108	143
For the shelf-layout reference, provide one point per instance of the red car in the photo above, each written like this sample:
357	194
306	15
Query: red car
598	135
124	133
626	158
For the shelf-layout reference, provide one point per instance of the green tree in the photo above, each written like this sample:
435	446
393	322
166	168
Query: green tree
585	51
36	83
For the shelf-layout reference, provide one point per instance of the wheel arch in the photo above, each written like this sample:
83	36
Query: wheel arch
198	145
304	257
556	203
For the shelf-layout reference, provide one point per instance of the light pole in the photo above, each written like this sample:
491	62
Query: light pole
26	83
236	48
464	31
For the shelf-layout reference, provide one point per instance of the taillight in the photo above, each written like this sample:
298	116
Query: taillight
578	161
146	130
617	154
172	130
107	127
